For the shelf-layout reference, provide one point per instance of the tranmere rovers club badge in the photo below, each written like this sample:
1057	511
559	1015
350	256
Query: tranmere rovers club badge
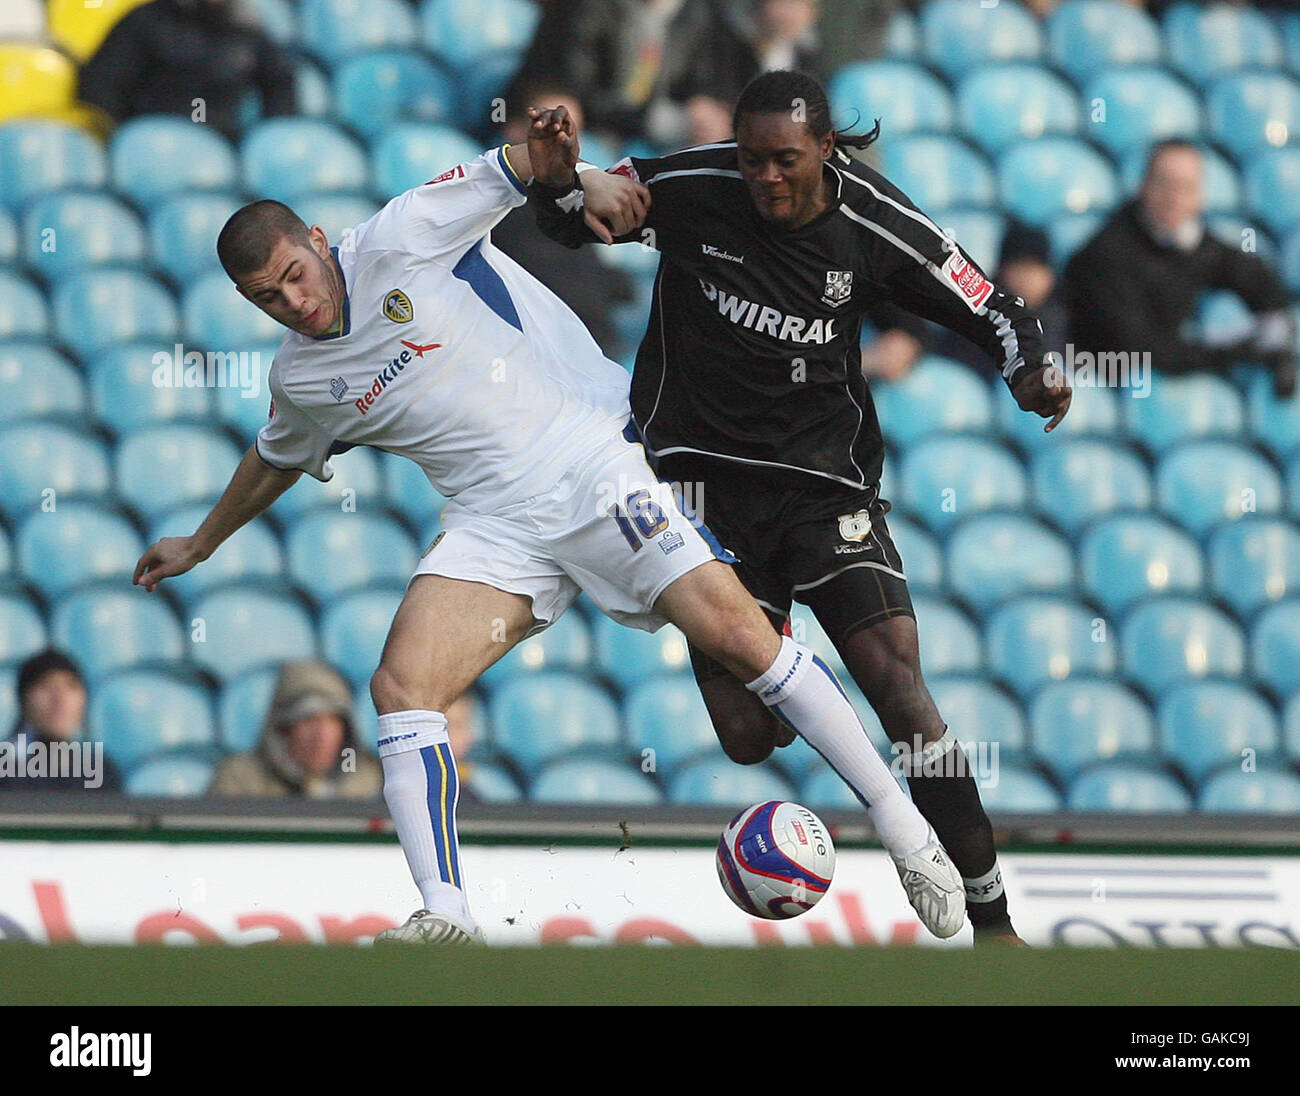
839	287
397	307
855	526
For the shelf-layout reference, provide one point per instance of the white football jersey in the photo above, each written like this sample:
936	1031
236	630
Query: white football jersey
449	354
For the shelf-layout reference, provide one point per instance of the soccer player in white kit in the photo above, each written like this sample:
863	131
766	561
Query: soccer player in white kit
416	336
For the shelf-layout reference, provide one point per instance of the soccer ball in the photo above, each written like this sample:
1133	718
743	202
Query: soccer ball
775	860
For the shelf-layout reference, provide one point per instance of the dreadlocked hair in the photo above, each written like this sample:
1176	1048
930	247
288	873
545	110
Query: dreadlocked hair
784	91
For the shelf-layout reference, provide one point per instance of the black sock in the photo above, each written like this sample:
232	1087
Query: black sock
945	792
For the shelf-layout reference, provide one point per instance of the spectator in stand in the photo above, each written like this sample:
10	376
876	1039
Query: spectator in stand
757	36
167	56
1136	285
309	745
52	710
579	278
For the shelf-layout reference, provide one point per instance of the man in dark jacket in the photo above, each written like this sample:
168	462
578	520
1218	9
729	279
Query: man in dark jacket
1137	284
190	57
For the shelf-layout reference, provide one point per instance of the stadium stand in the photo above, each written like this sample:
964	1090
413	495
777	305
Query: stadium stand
1114	605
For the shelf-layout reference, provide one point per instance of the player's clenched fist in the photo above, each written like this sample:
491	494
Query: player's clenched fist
1046	392
166	558
552	145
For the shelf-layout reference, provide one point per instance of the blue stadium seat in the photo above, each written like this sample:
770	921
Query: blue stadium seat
1291	260
408	490
8	565
410	154
978	231
1080	722
242	707
37	382
252	553
806	629
1236	232
1293	485
1291	40
717	782
114	627
998	105
1205	725
565	645
8	237
993	557
162	467
241	409
183	232
330	553
902	38
9	708
38	157
1168	640
1272	178
1040	180
356	471
336	213
666	714
910	96
948	478
23	312
336	29
938	396
628	656
1221	185
98	308
1142	105
1249	111
949	642
484	87
1275	647
1036	640
179	776
245	628
465	34
24	631
1206	41
353	629
823	790
594	780
125	397
1254	563
980	712
143	712
1020	790
1080	480
1128	557
218	319
491	783
314	93
278	19
1094	412
1067	233
1127	788
922	556
1202	483
376	90
541	716
153	157
937	172
1085	36
798	760
285	158
1274	422
75	544
1266	791
36	457
74	230
958	36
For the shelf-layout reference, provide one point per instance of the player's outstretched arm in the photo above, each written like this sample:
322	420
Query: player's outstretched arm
254	486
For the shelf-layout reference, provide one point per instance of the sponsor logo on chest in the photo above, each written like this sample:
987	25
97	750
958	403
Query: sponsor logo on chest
769	321
390	373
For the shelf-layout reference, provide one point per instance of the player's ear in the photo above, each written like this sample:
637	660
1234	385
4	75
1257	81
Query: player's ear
828	145
319	242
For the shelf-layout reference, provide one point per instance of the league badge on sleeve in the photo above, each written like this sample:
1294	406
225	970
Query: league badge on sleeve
397	307
839	287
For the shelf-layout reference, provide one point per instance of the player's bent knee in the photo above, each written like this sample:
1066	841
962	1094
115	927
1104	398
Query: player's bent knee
394	691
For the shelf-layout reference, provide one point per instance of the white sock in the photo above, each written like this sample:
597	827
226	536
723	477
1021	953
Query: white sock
421	789
803	692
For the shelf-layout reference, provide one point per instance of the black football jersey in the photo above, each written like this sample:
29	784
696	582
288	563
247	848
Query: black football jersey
751	352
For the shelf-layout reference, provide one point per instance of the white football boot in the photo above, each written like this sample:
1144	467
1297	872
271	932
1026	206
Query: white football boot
934	887
425	927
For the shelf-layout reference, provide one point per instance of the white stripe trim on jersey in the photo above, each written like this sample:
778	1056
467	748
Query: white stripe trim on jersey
915	214
1007	333
703	148
856	431
721	172
746	460
864	563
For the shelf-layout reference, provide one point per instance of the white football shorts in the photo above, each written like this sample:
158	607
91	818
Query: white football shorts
609	527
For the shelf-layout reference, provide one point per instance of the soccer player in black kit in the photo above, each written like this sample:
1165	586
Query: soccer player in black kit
748	381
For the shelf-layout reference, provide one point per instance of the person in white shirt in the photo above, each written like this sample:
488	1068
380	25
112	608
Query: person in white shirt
416	336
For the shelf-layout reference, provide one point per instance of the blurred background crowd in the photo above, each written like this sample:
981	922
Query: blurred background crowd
1130	169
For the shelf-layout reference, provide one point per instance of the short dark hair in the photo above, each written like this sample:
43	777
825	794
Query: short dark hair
1164	146
780	91
248	238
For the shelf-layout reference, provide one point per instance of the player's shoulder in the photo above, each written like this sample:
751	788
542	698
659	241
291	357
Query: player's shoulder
865	189
699	162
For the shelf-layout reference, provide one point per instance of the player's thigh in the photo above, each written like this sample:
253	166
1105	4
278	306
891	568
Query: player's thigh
446	632
721	619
